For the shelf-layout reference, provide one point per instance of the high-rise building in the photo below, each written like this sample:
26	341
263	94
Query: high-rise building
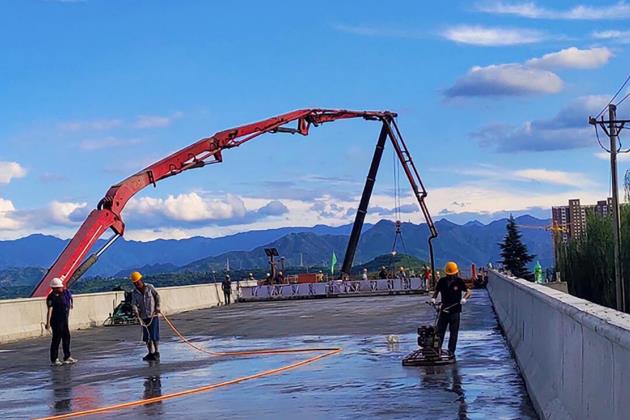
571	219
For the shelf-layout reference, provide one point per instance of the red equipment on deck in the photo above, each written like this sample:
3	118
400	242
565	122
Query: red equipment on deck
108	213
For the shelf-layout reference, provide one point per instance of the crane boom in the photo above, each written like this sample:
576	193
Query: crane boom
108	214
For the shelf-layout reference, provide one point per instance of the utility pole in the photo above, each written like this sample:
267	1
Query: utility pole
620	292
612	131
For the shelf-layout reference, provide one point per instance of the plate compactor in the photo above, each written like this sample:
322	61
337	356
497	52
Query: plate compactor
430	353
123	314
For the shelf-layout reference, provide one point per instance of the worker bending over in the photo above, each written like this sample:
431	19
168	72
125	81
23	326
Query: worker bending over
59	303
146	307
450	288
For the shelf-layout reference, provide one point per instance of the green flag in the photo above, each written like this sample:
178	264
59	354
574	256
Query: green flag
333	261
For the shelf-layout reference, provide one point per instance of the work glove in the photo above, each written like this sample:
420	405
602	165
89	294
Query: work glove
463	301
433	301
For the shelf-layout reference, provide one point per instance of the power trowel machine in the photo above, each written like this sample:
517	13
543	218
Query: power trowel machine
430	353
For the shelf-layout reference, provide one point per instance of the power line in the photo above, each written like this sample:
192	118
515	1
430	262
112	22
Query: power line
623	99
599	141
613	98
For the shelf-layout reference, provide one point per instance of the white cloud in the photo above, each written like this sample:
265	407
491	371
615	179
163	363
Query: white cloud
190	207
376	30
51	177
10	170
621	157
201	209
531	77
155	121
15	223
469	197
571	179
484	36
503	199
106	124
500	175
505	80
57	218
107	142
59	213
7	216
90	125
568	129
467	200
573	58
620	10
613	35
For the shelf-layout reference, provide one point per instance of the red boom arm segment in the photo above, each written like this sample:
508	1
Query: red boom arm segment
203	152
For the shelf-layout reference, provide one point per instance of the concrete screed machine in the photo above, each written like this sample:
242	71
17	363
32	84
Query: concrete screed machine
74	262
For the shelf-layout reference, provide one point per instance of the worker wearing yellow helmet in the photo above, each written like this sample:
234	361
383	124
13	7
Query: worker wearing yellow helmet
145	301
451	288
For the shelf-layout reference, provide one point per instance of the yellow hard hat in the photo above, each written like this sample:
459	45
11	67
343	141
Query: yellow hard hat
135	276
451	268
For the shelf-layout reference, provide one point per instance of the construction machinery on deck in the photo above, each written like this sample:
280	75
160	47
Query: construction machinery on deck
73	263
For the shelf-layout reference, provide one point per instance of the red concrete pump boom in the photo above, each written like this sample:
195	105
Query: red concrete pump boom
108	214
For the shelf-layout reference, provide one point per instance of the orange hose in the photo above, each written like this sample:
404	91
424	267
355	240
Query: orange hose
327	352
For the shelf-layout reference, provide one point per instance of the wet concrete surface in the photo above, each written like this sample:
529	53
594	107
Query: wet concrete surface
367	380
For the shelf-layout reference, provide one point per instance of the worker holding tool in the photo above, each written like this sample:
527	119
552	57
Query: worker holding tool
146	307
227	290
450	288
59	304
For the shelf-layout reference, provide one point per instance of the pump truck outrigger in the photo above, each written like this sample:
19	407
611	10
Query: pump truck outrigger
72	263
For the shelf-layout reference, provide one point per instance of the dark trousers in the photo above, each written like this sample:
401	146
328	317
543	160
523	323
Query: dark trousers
60	334
227	297
452	320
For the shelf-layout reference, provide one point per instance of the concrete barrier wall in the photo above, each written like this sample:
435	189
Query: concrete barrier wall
25	318
574	355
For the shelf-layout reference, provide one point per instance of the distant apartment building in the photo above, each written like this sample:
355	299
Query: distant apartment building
571	219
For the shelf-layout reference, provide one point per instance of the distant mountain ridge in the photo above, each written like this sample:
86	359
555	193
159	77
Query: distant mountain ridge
473	242
39	250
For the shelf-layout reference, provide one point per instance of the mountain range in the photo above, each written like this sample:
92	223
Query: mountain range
473	242
41	250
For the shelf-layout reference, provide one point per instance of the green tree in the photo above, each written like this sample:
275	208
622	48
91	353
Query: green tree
586	263
514	252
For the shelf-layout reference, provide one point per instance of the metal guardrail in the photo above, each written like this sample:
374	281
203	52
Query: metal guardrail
333	288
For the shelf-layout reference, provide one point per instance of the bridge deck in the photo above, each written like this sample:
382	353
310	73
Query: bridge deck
366	380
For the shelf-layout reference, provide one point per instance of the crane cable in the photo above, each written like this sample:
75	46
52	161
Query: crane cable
397	204
325	352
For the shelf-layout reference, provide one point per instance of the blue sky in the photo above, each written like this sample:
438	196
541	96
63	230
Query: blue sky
493	98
